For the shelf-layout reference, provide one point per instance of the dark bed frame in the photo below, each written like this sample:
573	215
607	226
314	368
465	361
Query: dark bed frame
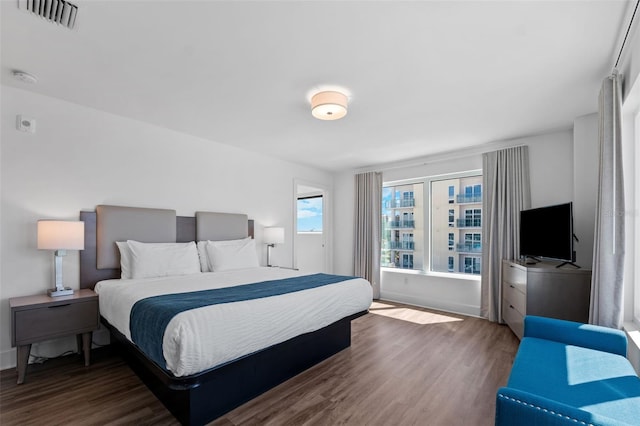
202	397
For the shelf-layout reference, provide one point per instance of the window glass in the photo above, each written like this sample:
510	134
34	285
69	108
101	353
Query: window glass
310	214
402	226
446	229
453	219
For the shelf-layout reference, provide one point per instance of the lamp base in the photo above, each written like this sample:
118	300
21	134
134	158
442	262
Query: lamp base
54	292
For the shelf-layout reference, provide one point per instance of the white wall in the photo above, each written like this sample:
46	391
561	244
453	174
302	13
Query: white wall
585	185
629	64
81	157
551	170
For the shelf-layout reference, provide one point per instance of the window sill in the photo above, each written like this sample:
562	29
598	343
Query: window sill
468	277
633	350
633	331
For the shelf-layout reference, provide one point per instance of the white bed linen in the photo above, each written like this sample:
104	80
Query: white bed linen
202	338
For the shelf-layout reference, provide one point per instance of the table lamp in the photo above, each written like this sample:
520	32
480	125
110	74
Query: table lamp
60	235
272	236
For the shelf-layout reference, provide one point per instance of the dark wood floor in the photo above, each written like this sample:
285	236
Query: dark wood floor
406	366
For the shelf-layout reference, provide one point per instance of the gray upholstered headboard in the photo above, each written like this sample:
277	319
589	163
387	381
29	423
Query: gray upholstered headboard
220	226
100	259
116	223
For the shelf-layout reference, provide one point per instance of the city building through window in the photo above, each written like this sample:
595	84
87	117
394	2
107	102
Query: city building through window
443	234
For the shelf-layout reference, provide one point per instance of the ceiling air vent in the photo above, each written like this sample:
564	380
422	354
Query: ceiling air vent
59	11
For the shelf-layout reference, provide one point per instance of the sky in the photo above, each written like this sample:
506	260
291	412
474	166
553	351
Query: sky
310	215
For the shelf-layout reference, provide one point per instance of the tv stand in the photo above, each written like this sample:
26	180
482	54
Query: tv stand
568	263
543	290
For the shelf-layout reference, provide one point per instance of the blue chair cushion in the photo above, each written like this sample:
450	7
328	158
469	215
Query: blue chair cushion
598	382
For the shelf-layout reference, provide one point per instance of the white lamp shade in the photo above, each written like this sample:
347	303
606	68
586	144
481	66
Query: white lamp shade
273	235
60	235
329	105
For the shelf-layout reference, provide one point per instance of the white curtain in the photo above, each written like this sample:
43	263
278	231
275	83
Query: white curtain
506	192
368	215
608	245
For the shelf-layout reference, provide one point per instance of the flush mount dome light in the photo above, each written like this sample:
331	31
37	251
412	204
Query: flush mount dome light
329	105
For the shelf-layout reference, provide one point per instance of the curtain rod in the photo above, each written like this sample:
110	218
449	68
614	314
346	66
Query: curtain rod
627	34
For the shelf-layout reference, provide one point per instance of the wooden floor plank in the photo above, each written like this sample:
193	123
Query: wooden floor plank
406	366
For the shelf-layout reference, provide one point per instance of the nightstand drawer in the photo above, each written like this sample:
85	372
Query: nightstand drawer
48	322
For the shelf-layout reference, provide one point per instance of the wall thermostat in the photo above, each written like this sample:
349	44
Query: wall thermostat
25	124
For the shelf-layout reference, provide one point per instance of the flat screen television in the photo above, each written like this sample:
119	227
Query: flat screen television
548	232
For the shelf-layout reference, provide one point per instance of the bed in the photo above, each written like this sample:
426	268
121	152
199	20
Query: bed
254	342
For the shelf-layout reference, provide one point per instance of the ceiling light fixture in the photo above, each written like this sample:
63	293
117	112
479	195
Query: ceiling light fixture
329	105
25	77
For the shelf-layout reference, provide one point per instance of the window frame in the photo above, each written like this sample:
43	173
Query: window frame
427	213
636	209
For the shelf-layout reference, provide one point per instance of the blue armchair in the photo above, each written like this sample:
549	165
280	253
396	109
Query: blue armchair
567	373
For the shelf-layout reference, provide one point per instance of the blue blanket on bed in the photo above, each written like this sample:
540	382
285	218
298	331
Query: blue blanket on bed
149	317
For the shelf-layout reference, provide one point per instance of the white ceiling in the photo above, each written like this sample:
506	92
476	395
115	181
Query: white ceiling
423	77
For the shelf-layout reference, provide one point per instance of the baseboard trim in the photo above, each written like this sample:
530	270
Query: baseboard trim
8	359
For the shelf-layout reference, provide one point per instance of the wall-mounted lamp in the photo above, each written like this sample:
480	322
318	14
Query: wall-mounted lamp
60	235
329	105
272	236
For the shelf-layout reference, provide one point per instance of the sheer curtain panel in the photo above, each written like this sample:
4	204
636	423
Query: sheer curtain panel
608	244
367	238
507	192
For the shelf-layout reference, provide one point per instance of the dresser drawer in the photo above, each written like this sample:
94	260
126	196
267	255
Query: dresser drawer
513	296
48	322
514	319
515	276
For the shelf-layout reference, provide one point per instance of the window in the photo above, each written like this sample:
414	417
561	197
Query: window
402	224
472	219
631	158
477	192
310	214
471	265
472	243
433	224
636	187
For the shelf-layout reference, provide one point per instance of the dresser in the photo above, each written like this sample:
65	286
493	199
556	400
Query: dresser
543	290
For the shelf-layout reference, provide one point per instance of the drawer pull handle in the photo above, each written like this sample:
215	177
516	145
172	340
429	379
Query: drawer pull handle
59	306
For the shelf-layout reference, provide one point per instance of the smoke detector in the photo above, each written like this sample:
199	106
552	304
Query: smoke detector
60	12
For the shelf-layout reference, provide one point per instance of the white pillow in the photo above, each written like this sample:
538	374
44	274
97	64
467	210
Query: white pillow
205	265
125	260
202	256
150	260
224	257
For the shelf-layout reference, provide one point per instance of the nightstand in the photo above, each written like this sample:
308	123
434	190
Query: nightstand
40	317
